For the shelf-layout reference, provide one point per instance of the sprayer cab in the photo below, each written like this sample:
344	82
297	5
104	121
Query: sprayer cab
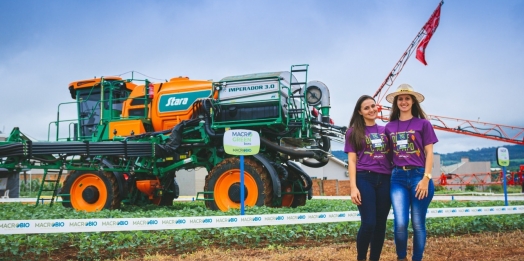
98	100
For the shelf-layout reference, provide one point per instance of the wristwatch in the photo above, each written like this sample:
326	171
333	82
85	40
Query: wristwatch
427	175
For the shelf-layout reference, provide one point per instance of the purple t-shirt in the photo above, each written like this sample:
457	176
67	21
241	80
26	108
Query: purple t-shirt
408	139
374	155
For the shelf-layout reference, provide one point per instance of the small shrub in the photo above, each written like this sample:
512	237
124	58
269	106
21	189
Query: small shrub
470	187
496	188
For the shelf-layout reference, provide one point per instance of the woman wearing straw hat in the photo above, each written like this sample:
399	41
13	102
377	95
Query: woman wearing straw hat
411	139
369	171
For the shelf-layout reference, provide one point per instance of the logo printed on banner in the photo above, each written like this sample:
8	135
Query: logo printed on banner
115	223
316	216
273	218
173	221
49	224
226	220
200	220
145	222
83	224
296	217
250	219
23	225
341	215
8	225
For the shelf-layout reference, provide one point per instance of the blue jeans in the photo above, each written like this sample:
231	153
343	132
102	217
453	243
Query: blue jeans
374	210
403	184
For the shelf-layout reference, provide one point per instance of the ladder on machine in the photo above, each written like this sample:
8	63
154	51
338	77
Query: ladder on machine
55	184
297	102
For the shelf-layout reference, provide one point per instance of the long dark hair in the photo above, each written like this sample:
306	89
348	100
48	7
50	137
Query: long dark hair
357	123
416	110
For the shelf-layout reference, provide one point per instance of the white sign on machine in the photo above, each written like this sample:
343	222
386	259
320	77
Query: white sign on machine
235	90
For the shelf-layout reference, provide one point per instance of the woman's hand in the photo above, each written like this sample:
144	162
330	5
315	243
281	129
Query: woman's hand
422	188
355	196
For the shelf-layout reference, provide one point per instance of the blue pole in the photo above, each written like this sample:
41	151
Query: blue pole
241	184
505	187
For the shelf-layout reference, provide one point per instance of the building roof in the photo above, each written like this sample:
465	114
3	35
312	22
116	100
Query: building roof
452	168
338	161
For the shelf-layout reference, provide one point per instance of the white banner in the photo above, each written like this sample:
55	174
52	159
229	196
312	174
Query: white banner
131	224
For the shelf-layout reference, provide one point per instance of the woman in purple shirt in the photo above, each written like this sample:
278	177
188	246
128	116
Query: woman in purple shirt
411	141
369	173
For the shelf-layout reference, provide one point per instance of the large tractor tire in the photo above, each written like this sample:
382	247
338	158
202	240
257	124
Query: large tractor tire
292	185
91	191
224	181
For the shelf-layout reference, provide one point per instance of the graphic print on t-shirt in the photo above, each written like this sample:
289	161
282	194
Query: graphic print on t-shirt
403	144
376	145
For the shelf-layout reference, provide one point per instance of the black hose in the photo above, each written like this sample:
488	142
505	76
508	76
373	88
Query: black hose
207	122
281	169
209	131
326	145
274	147
316	164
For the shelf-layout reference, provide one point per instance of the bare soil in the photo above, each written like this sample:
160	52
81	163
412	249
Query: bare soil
486	246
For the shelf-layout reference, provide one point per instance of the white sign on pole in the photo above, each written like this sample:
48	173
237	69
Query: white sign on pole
241	142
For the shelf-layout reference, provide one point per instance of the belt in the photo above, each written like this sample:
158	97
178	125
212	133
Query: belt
407	167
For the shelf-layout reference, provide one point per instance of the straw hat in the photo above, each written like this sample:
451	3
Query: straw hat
405	89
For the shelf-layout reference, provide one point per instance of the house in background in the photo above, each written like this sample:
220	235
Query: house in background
334	169
467	172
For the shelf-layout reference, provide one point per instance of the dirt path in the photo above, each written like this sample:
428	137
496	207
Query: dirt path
488	246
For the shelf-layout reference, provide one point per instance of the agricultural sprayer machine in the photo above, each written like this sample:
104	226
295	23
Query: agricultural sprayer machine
131	136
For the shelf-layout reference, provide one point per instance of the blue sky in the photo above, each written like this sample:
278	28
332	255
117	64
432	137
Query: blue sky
475	59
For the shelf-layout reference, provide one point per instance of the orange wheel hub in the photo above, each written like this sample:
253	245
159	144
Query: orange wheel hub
287	199
227	190
89	193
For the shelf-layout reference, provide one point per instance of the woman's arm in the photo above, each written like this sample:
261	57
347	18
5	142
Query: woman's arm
352	169
422	186
428	150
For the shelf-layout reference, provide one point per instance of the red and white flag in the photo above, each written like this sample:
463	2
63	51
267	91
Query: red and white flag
430	27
